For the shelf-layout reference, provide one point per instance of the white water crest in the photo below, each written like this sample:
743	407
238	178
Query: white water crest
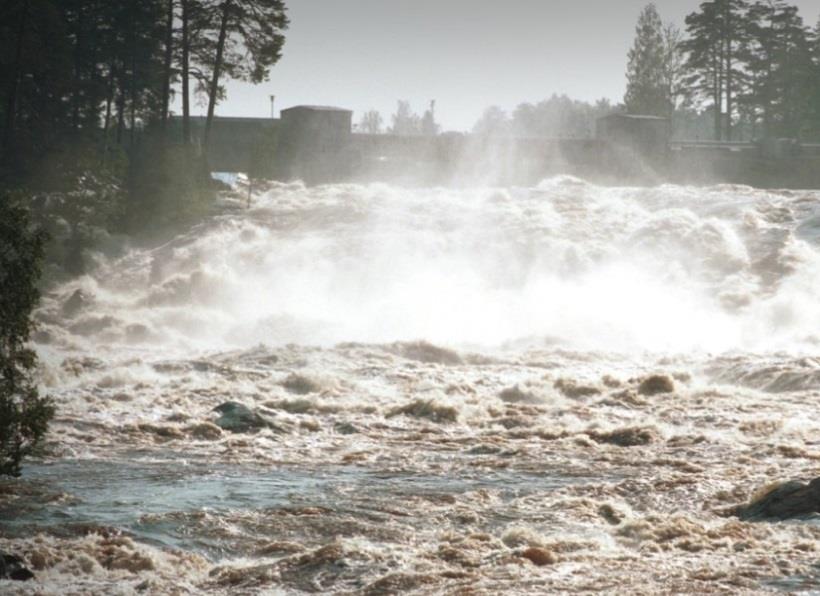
618	269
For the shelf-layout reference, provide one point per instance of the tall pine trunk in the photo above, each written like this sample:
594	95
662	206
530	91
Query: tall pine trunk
109	99
717	87
186	92
133	90
767	95
166	73
729	66
76	85
214	86
120	112
11	101
729	90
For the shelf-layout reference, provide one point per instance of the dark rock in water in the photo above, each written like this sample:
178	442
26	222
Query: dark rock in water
205	431
77	302
655	384
92	325
782	501
539	556
573	390
346	428
428	409
12	567
301	385
484	450
516	395
425	352
240	419
610	514
626	437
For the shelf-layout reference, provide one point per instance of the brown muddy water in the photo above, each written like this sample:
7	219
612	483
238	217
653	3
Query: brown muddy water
558	389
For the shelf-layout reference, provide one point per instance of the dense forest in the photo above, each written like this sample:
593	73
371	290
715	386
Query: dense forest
86	151
86	87
754	67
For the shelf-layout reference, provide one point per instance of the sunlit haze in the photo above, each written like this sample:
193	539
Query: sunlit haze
465	54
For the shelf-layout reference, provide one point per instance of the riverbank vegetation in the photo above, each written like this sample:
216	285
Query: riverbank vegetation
87	87
87	152
24	414
737	70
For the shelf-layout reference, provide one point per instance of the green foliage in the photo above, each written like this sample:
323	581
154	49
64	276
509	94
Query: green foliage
167	185
233	39
429	126
77	196
24	414
779	67
253	39
371	123
83	107
494	122
71	66
813	131
36	75
753	66
405	120
407	123
559	116
716	36
646	90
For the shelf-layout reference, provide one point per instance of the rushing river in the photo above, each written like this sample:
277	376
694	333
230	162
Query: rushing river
475	391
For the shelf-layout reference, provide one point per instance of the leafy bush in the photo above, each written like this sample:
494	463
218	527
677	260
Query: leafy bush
167	186
24	414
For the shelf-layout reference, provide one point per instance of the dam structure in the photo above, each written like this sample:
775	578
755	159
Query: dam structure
317	144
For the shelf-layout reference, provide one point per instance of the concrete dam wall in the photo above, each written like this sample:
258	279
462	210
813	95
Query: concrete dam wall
316	144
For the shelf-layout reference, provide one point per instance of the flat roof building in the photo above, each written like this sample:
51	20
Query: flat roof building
646	134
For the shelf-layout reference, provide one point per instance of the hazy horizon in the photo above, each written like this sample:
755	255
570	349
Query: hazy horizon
465	54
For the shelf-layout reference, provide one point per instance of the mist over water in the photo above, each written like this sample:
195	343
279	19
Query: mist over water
569	263
551	389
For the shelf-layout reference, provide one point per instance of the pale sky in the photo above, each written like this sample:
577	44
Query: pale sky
465	54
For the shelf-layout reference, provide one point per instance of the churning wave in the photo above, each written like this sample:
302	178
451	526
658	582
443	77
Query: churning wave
667	268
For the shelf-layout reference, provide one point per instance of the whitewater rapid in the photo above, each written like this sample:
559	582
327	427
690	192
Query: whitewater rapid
668	268
461	378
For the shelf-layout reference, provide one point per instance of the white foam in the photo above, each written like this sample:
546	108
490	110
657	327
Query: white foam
663	269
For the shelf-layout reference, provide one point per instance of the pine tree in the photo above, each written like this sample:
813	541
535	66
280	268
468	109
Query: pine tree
24	413
814	114
371	123
494	122
37	80
428	125
246	40
647	90
167	65
559	116
779	64
405	121
716	38
674	69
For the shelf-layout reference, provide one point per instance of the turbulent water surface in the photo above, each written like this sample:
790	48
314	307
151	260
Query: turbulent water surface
477	391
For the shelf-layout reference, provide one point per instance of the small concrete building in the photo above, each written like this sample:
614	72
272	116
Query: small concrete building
648	135
327	124
312	143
